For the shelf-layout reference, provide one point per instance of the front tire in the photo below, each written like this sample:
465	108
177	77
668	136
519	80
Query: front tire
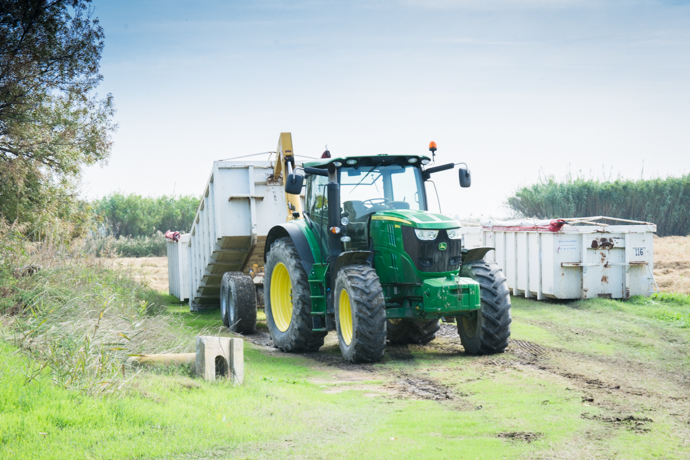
360	314
287	300
486	331
238	302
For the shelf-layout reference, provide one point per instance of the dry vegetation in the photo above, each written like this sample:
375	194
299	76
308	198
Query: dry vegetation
152	271
672	263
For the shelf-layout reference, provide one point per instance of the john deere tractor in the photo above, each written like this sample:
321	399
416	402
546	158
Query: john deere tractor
365	257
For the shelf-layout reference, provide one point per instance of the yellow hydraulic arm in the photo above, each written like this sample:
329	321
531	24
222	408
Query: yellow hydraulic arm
285	164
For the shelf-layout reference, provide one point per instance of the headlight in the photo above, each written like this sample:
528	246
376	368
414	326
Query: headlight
426	235
454	233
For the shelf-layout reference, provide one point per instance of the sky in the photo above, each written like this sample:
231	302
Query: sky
518	89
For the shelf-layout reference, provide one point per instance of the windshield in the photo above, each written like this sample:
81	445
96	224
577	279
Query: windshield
368	189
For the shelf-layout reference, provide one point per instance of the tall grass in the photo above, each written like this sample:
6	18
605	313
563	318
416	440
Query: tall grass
665	202
75	319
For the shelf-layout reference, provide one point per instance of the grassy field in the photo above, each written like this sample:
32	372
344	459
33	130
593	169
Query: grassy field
594	379
583	379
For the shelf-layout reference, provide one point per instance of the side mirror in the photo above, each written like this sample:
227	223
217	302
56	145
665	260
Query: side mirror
293	184
465	178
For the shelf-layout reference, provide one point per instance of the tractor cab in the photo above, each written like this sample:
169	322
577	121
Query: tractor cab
368	186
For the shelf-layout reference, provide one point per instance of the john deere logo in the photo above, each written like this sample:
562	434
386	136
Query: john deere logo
442	246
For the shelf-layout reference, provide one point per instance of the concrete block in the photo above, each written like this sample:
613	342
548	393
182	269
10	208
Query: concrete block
220	358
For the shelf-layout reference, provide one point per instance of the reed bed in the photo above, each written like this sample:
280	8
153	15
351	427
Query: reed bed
665	202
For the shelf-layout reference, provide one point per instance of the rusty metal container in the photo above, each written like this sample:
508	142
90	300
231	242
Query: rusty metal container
583	259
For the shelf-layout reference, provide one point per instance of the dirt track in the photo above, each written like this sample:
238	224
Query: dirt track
618	386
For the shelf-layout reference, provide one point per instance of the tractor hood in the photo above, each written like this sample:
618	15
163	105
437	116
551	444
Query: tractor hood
417	219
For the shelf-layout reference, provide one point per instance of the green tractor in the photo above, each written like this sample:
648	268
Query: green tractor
368	259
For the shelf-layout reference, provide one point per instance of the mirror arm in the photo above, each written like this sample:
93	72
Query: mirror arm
428	172
316	171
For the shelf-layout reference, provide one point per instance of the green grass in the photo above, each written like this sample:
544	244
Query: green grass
287	407
641	327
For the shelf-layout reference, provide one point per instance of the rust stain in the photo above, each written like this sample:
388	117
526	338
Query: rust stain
602	243
603	257
605	279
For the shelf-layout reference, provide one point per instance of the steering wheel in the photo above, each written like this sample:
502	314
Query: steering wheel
379	201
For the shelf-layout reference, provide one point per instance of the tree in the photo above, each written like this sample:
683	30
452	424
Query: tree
51	123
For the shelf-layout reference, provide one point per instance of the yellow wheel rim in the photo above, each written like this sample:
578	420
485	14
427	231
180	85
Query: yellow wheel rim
345	317
281	297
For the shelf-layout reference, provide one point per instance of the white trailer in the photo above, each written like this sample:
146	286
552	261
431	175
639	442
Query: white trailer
242	201
585	258
178	267
240	204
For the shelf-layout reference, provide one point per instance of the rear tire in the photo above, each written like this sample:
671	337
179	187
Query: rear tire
360	314
287	300
238	302
404	331
486	331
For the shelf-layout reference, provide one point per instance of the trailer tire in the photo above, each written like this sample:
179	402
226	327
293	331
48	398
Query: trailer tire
238	302
360	314
404	331
287	300
486	331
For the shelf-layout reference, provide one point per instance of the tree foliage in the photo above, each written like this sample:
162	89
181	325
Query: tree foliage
665	202
51	123
137	216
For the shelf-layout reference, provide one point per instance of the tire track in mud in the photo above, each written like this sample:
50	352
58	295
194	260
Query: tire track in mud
412	383
399	384
596	392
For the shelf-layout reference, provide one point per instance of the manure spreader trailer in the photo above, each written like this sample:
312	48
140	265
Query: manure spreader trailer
356	251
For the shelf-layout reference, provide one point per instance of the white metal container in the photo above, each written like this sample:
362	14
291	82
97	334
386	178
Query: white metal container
178	268
240	204
579	261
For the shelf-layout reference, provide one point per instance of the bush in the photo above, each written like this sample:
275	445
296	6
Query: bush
665	202
147	246
137	216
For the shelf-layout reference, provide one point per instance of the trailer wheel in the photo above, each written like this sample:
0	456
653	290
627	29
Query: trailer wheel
403	331
486	331
238	302
287	300
360	314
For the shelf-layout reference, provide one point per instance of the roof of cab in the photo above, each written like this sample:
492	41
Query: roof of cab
368	160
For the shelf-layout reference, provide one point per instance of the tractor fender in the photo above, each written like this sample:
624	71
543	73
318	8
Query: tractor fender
298	239
470	255
350	258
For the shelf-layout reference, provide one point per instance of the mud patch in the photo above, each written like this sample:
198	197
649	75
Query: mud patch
449	331
523	346
593	383
629	422
412	387
260	338
520	436
399	353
